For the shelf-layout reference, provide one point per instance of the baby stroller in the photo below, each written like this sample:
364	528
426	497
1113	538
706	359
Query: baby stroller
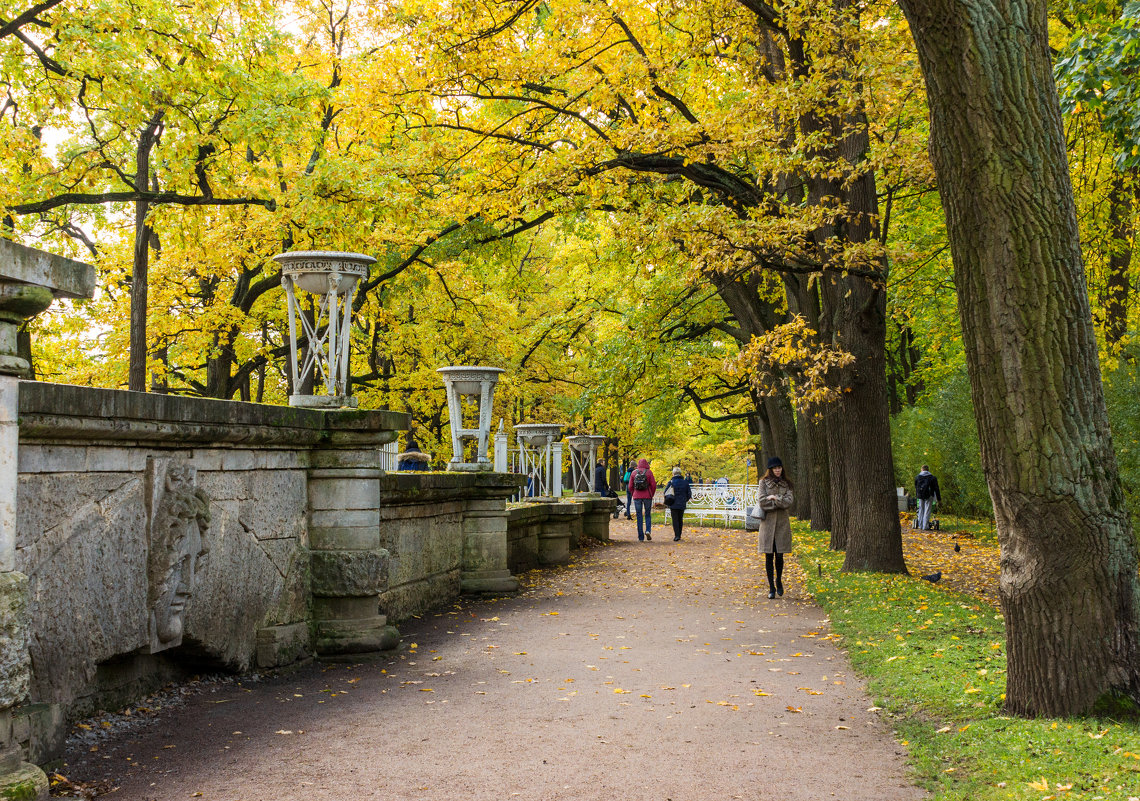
620	508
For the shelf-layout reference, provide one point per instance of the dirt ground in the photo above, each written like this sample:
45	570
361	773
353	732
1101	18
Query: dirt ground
653	670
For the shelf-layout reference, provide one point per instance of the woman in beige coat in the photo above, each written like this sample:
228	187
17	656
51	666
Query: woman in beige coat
775	536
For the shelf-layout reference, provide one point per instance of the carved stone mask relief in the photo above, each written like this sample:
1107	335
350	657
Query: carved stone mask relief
178	521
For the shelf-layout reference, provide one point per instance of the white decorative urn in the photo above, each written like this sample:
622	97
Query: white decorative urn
478	383
539	459
329	280
584	460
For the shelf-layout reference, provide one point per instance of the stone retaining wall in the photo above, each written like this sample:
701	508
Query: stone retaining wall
161	536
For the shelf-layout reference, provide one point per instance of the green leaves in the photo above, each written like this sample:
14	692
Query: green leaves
1097	74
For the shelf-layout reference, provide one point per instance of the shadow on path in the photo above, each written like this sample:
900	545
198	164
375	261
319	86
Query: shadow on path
654	670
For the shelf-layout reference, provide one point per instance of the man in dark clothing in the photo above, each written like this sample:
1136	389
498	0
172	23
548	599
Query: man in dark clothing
600	483
926	490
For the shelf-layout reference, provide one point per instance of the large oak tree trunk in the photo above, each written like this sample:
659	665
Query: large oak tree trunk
853	318
1069	585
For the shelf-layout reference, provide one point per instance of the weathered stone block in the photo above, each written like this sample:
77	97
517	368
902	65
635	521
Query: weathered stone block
423	547
40	729
356	607
347	573
282	645
331	518
282	460
487	505
401	603
554	548
14	664
355	636
52	458
484	551
24	783
115	460
344	493
340	538
239	460
475	524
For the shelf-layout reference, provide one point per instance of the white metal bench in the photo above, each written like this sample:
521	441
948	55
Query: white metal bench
722	502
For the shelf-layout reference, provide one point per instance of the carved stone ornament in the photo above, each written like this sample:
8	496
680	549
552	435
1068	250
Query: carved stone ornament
177	524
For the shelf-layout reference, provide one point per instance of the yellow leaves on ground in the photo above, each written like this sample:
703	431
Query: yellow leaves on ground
973	569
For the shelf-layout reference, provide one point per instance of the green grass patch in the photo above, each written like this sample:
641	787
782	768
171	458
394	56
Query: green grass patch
935	662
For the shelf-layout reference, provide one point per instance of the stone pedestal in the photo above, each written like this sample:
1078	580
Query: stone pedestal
559	533
29	280
349	568
596	515
485	546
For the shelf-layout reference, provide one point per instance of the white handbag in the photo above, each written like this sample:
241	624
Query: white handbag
758	512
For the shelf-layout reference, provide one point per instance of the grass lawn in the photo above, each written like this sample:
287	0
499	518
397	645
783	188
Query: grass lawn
935	661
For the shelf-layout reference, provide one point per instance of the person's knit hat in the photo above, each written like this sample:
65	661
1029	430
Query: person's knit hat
775	462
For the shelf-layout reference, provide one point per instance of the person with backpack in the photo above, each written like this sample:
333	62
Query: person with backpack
677	496
642	487
629	488
926	490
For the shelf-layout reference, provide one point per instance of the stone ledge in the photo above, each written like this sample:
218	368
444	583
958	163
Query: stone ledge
67	412
66	278
421	488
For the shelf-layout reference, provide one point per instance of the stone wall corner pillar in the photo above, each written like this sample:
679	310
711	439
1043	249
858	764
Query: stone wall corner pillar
349	567
485	543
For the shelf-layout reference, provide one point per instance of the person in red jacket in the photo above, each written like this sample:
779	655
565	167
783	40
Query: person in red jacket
644	486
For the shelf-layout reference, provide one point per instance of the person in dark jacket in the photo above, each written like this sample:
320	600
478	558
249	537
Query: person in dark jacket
601	485
681	494
412	458
926	490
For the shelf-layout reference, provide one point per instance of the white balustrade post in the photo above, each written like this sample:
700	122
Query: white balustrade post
556	476
501	445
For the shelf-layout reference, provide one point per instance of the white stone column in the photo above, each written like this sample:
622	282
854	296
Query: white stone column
556	471
502	442
9	453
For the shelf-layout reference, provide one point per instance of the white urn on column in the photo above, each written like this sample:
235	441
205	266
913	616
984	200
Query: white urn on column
330	279
470	382
536	454
584	460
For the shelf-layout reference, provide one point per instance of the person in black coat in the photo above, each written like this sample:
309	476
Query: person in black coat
681	495
926	489
601	485
412	459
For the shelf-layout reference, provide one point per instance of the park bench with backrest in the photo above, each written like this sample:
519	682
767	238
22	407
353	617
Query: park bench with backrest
721	502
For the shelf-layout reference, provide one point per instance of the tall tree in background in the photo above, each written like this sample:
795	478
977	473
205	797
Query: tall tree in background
1069	585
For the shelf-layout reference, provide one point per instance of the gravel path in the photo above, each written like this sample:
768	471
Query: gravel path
654	670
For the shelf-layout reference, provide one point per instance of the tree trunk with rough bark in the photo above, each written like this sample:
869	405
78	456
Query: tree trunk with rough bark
136	370
1118	284
853	318
1069	585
